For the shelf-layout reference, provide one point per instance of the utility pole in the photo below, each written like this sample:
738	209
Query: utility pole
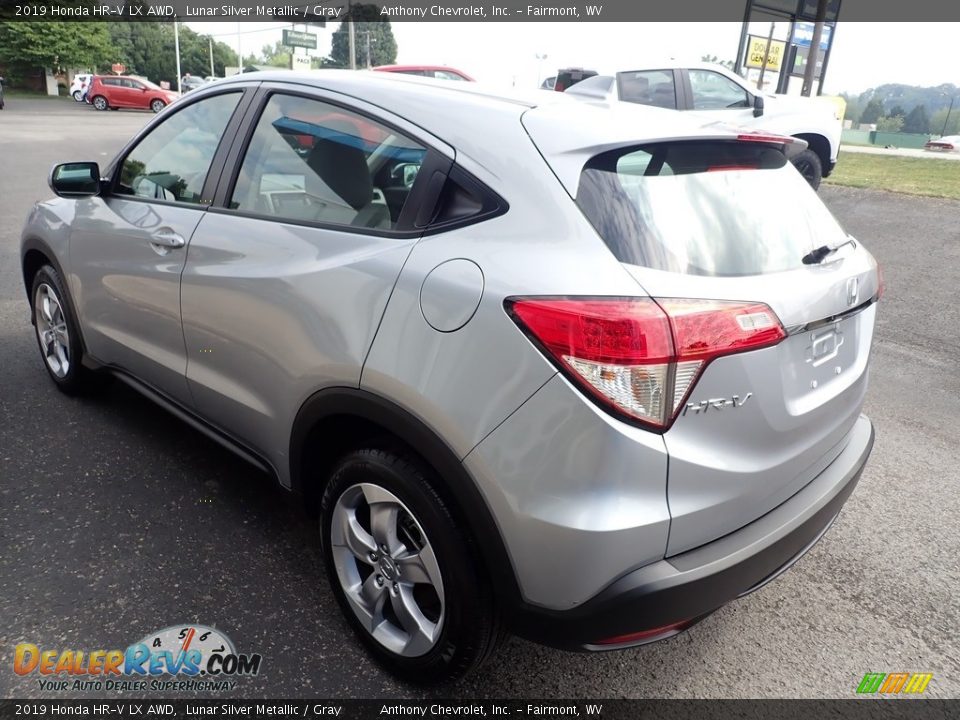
212	73
811	69
947	120
367	34
352	33
176	45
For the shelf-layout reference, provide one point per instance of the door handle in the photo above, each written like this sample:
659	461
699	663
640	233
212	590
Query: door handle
167	238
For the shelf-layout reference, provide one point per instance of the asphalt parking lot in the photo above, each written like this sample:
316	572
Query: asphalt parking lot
117	520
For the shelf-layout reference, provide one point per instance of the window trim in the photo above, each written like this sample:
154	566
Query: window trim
216	163
405	228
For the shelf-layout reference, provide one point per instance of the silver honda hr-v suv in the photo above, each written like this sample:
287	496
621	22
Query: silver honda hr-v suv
580	372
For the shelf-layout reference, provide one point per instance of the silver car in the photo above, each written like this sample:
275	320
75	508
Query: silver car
583	373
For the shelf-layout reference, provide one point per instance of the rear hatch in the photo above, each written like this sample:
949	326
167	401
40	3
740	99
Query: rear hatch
728	219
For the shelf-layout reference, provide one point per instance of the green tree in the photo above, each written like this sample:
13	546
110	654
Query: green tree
148	49
717	61
891	123
940	118
276	55
917	120
54	44
896	110
383	46
872	112
853	107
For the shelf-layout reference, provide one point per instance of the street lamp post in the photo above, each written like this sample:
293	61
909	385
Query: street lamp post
540	58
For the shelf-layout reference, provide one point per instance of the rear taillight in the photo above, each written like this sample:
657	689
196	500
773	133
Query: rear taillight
881	284
640	357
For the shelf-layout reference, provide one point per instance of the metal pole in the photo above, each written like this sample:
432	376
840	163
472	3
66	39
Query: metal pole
212	71
742	47
239	53
352	33
947	120
826	58
811	69
766	54
176	44
367	34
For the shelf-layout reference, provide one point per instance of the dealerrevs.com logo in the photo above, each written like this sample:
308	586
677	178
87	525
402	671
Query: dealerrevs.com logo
197	657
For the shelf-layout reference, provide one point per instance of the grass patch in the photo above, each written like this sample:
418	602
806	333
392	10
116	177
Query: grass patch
913	176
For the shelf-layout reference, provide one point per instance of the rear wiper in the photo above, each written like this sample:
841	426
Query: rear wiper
817	255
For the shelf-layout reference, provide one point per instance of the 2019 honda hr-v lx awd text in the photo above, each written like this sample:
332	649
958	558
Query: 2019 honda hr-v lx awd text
578	371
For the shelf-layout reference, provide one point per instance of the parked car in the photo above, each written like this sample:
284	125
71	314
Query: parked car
568	77
191	82
712	92
948	143
441	72
587	372
549	83
80	85
113	92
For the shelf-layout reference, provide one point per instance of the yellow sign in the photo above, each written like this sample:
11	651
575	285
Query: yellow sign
755	51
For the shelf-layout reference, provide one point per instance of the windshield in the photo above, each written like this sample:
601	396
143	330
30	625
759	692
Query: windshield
705	208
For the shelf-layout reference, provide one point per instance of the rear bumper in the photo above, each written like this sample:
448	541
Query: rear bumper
683	589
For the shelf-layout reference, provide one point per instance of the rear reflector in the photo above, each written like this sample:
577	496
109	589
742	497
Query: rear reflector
640	357
638	638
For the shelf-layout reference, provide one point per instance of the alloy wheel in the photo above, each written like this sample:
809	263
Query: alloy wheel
52	330
387	569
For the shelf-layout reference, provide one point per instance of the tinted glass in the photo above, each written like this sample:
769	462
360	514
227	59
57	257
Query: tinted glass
444	75
171	162
698	208
712	91
314	162
648	87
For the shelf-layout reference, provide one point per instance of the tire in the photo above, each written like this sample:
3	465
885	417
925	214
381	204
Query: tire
77	96
157	105
100	102
58	336
450	601
808	164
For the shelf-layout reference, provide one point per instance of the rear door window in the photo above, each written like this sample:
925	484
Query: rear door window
648	87
310	161
714	208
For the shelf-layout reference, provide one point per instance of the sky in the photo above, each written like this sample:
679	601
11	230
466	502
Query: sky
864	54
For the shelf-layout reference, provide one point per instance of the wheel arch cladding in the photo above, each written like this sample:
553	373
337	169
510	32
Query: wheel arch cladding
335	421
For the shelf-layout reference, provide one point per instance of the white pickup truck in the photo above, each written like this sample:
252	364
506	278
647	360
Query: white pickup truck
715	93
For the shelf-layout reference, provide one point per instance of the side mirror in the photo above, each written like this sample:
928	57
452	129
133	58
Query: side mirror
757	106
73	180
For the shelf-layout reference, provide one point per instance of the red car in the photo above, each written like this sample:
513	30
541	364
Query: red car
114	92
441	72
948	143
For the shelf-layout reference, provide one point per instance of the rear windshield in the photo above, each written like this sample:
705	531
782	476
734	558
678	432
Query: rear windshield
705	208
